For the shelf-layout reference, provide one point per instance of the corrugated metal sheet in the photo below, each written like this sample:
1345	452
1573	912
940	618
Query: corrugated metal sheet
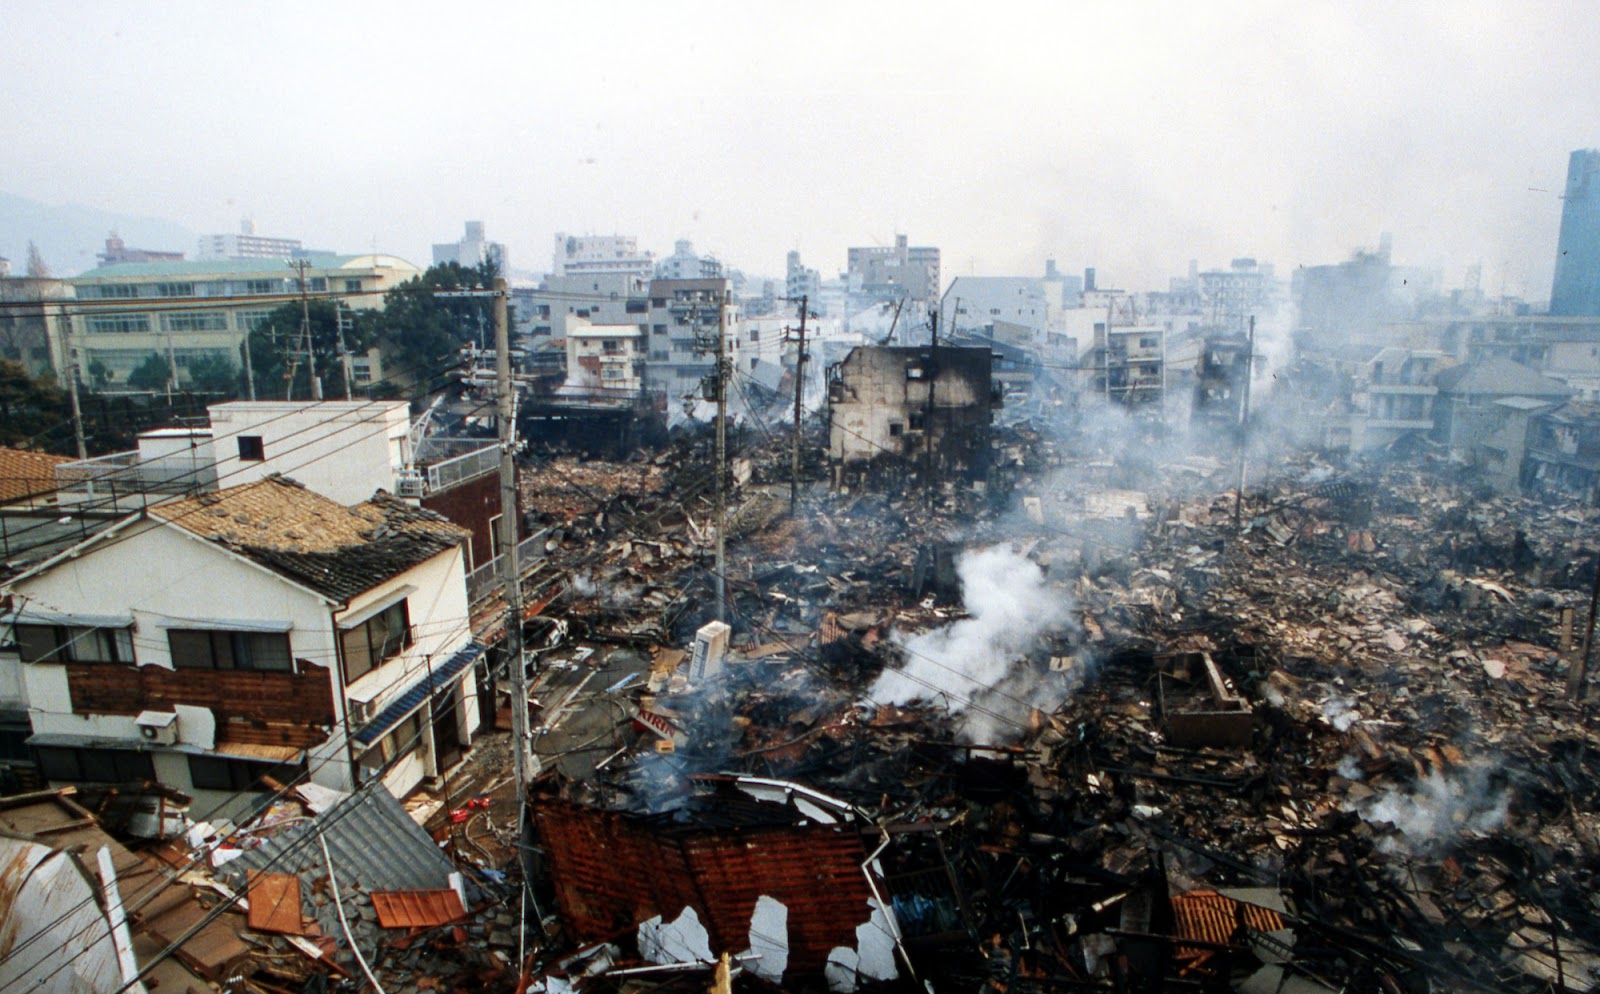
612	871
372	840
417	908
414	695
47	908
1206	916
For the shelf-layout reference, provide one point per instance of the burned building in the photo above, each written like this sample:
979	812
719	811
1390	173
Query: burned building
893	410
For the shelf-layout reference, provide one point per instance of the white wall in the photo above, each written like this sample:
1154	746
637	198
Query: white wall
343	450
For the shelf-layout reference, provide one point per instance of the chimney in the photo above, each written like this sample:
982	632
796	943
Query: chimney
1088	279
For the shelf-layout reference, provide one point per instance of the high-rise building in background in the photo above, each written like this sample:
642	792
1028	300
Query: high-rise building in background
245	245
599	255
684	264
472	251
890	274
1576	290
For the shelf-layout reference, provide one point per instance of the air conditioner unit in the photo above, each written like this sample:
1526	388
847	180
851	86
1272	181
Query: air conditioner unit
158	727
710	648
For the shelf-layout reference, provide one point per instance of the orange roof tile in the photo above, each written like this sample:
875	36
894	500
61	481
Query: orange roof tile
26	474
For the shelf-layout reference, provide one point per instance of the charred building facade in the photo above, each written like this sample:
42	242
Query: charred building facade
892	410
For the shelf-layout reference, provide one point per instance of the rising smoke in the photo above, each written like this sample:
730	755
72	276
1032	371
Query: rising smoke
1438	809
977	664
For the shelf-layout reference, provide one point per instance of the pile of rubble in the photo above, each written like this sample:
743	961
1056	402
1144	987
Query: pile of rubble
1331	743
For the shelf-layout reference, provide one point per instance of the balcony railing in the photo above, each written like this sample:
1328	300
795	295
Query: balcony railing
122	474
485	580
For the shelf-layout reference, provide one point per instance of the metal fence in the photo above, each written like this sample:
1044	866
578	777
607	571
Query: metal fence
485	580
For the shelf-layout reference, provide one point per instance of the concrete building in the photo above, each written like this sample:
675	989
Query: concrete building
904	412
262	630
117	252
473	250
802	282
1352	300
685	319
600	255
603	363
1382	398
1576	289
245	245
1228	298
33	313
1127	365
184	310
890	274
684	264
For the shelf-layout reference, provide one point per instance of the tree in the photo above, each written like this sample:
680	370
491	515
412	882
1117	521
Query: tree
29	407
100	373
277	346
215	373
152	374
36	263
420	333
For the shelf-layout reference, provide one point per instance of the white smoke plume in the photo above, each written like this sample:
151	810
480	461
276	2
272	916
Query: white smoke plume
1439	808
973	662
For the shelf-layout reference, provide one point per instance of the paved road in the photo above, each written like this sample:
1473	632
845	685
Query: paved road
586	710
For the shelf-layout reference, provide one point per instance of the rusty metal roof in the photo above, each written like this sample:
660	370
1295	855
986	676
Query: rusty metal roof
613	870
1206	916
417	908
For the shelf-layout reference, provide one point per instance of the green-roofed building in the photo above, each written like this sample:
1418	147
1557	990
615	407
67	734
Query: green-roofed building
183	310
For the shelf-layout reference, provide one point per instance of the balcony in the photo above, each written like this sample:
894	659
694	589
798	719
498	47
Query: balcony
122	478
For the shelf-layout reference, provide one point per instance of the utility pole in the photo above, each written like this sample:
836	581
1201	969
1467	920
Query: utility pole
1579	671
300	266
510	571
932	372
340	313
72	386
249	370
722	455
1244	423
799	387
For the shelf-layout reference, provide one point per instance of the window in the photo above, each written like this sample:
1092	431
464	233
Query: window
896	429
352	286
381	637
612	373
755	334
403	738
174	289
195	321
252	448
659	356
261	286
95	765
919	421
659	329
611	346
67	643
217	773
635	307
251	320
205	649
116	323
118	290
319	284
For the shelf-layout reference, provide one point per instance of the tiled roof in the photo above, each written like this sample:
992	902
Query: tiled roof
335	550
26	474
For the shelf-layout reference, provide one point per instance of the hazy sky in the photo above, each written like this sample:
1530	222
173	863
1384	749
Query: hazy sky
1125	136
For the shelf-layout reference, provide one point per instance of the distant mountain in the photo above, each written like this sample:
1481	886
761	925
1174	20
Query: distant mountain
69	235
